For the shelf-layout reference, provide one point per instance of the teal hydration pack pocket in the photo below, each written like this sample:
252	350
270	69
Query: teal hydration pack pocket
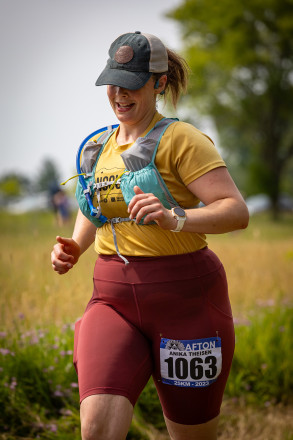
147	177
82	201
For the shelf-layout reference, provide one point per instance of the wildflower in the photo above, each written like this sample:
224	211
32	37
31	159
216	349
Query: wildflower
264	366
27	334
21	316
58	393
5	351
34	340
241	321
66	412
50	368
52	427
66	352
3	335
13	384
74	385
65	328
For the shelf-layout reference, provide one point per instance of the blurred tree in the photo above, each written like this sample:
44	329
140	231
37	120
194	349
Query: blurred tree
241	58
48	176
13	185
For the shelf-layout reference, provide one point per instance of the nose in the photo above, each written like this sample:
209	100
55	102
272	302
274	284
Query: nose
120	90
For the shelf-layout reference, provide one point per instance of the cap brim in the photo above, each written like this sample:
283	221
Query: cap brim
123	78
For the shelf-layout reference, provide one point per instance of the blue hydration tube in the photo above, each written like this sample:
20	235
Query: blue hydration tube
93	210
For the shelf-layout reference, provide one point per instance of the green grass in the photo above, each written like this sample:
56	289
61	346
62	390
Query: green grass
38	394
262	369
38	383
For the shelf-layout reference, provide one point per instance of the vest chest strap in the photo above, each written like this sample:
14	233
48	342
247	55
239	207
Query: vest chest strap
114	221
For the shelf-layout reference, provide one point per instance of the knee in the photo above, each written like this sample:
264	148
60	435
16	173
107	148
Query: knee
105	417
89	430
93	430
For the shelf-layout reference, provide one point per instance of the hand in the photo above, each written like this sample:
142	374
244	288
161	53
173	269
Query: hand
146	204
65	254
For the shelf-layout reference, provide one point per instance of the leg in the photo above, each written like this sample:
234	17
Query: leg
113	361
204	431
105	417
192	347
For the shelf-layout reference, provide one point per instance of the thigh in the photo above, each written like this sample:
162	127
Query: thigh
111	355
193	348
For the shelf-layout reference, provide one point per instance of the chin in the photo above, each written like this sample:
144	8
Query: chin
124	118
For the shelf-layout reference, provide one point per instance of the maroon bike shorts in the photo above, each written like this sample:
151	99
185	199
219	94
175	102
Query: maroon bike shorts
166	317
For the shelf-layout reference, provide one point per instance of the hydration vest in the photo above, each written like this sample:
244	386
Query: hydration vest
140	170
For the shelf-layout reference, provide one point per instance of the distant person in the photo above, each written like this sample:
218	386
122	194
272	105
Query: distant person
160	303
60	204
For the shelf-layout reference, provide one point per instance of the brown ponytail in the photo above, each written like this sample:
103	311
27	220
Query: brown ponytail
177	76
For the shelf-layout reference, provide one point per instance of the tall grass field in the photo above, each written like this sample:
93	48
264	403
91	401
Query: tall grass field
38	309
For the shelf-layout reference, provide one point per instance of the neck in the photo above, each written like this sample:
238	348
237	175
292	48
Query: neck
128	133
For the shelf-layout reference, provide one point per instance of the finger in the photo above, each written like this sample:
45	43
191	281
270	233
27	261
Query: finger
61	267
154	216
58	262
138	194
59	270
147	209
137	190
64	240
140	201
61	254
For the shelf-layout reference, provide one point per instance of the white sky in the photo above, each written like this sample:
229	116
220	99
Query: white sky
52	52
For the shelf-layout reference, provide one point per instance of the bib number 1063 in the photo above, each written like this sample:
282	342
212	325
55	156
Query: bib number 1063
190	363
196	368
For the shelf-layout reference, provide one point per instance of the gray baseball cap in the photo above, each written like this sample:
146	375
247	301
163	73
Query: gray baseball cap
134	57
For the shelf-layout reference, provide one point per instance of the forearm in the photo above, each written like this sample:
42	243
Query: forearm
224	215
84	232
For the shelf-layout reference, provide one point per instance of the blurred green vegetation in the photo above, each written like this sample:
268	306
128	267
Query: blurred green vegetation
38	384
241	61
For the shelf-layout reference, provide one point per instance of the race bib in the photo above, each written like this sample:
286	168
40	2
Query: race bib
190	363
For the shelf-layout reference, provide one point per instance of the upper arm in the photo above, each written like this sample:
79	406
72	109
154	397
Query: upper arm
216	184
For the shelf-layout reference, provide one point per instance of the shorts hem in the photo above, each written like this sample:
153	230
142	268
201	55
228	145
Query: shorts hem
188	421
107	390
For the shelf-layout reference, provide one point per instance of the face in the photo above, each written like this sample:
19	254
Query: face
133	107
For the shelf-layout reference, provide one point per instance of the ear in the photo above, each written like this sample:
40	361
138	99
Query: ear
160	85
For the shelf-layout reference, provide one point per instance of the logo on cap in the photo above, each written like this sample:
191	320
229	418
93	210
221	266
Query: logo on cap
124	54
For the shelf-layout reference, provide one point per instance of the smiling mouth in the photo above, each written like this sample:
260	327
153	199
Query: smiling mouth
124	107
